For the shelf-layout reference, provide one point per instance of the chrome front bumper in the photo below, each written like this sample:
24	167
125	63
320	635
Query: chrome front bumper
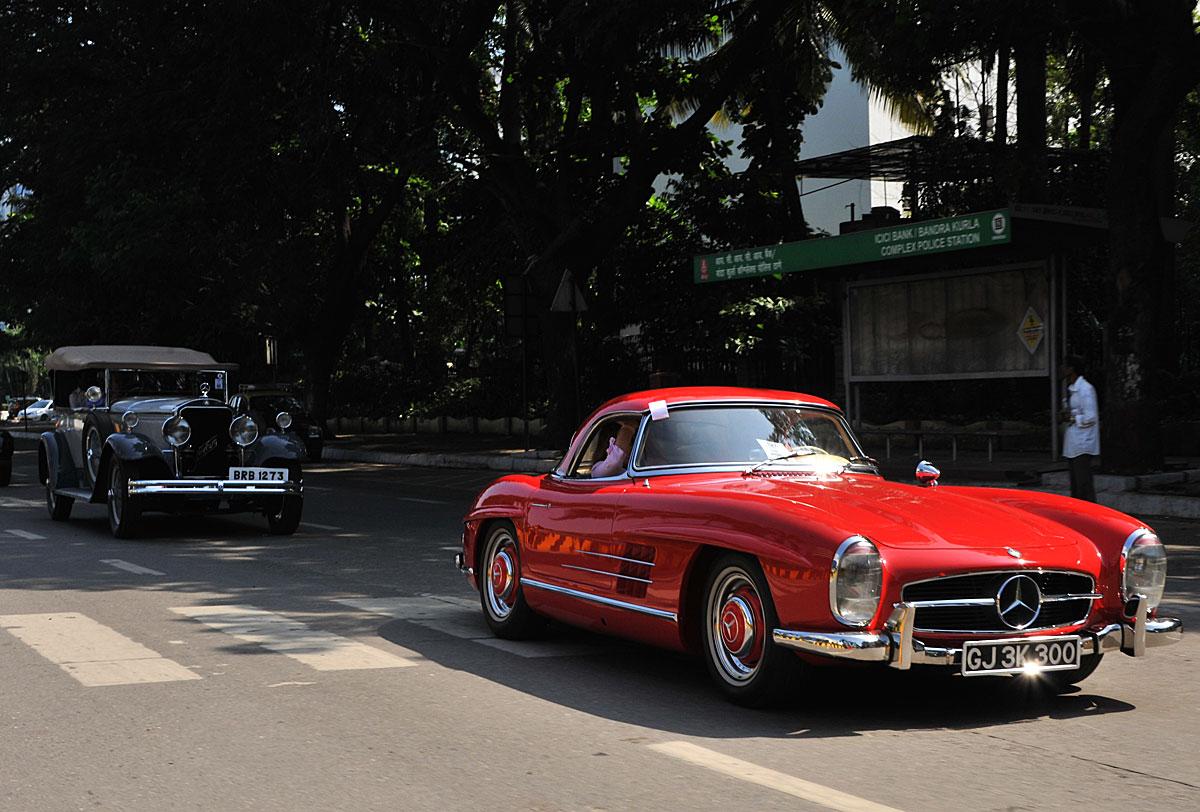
212	487
896	646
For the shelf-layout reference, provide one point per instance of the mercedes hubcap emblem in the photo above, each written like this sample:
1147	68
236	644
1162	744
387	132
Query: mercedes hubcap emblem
1019	602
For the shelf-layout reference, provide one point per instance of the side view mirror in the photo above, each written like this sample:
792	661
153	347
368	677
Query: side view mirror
94	395
927	474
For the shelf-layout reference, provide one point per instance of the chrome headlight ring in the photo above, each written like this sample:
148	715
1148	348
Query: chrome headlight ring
855	581
243	431
177	431
130	420
1143	567
283	420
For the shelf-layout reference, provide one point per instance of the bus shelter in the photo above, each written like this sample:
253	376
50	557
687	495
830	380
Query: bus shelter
976	296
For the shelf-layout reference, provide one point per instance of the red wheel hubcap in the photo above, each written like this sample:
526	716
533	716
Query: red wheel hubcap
742	626
502	573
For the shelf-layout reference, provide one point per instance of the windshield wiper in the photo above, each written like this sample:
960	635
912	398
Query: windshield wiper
800	452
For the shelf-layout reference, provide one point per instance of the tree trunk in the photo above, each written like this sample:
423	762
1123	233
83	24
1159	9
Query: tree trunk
1138	262
1031	114
1002	60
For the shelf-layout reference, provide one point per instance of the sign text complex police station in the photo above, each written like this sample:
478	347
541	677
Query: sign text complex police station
977	230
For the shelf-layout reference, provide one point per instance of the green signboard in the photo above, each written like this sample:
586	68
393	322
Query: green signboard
901	241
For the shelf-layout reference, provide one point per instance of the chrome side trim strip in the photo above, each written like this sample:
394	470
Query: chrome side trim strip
606	572
613	602
619	558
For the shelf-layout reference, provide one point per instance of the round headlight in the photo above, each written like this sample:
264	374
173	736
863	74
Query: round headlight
177	431
243	431
1143	567
855	581
130	420
283	420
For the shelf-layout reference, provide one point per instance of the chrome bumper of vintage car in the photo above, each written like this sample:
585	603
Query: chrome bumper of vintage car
896	646
212	487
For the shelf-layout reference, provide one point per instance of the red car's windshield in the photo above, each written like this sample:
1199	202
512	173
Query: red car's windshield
746	435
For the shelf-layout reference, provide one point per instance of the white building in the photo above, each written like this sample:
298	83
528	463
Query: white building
848	118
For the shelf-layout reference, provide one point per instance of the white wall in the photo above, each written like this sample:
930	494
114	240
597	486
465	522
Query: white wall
848	118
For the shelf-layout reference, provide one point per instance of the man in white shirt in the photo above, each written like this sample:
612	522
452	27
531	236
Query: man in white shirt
1081	439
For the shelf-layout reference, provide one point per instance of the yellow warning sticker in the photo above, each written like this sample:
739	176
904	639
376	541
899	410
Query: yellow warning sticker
1032	330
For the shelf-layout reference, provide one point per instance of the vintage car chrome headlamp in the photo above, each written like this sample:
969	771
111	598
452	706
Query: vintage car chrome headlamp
130	420
243	431
177	430
283	420
855	581
1143	567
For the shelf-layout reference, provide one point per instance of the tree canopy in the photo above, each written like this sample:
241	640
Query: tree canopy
375	184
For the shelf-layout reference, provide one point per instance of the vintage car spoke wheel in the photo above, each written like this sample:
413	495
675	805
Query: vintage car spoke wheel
738	622
124	511
93	445
500	592
58	506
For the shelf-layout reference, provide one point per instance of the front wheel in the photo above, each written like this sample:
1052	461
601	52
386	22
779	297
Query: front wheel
737	627
124	511
285	517
500	591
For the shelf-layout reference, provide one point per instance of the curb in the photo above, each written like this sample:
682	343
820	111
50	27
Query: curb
491	462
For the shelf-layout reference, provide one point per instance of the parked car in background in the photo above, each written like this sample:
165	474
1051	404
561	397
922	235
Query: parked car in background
747	526
39	411
266	402
142	429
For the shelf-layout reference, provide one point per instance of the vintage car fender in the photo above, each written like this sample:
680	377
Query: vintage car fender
278	446
506	498
53	446
129	447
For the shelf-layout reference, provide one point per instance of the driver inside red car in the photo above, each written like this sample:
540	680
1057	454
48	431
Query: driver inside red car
617	454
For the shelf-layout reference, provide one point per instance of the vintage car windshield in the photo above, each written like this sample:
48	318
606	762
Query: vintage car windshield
127	383
273	404
746	435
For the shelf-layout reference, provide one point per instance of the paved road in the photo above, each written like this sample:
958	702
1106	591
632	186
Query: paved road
212	666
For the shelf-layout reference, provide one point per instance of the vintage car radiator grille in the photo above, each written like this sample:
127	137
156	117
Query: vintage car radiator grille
986	619
210	452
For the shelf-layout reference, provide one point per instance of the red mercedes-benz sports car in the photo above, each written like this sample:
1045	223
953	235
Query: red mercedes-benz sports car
747	525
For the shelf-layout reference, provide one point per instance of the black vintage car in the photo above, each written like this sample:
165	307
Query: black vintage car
151	429
274	404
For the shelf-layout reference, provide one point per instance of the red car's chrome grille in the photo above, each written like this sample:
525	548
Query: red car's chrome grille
986	585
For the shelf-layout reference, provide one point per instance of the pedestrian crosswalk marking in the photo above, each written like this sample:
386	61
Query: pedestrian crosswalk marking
765	777
319	526
136	569
25	534
320	650
91	652
462	618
